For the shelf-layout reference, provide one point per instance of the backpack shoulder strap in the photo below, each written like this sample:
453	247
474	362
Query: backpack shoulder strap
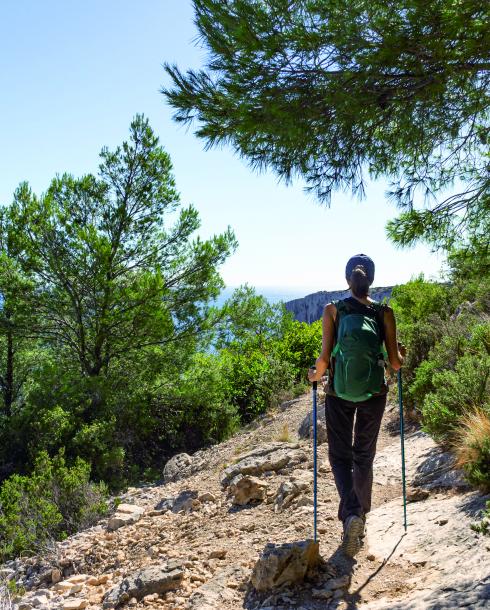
380	309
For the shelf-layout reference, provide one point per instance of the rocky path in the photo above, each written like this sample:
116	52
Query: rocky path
192	542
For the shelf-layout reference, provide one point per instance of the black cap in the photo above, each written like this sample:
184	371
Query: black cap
365	261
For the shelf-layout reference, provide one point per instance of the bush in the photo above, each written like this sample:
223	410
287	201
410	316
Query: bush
456	393
206	397
421	309
255	379
463	335
483	526
300	346
53	502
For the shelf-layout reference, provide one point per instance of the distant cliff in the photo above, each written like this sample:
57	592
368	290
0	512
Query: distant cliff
310	308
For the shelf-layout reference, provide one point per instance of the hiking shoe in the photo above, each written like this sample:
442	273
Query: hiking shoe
353	529
363	534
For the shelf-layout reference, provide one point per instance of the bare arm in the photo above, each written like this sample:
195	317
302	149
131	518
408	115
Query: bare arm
394	356
328	337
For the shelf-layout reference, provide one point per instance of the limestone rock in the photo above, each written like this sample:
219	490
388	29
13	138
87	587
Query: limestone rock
289	490
121	519
206	497
130	509
216	592
247	490
75	604
284	564
438	471
156	579
305	429
178	467
310	308
270	457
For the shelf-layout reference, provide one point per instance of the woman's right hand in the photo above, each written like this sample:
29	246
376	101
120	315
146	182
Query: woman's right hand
314	374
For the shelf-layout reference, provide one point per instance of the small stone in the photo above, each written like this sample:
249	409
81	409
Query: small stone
322	593
218	554
75	604
178	467
65	586
338	583
78	579
370	557
206	497
121	519
416	494
55	575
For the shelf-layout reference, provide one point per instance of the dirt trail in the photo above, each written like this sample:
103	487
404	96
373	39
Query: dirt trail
219	543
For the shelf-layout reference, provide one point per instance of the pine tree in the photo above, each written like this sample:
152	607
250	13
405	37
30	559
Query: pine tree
336	92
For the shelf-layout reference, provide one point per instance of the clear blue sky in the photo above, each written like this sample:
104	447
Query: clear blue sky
73	74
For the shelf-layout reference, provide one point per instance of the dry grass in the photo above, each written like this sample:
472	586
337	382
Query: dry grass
472	437
284	435
5	596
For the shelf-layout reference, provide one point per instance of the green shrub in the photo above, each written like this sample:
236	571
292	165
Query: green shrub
456	393
463	335
206	396
53	502
255	379
421	309
483	526
300	346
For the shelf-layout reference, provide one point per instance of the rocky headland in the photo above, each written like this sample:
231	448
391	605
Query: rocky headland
310	308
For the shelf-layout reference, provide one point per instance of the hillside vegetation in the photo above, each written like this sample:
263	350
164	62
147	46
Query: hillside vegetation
114	357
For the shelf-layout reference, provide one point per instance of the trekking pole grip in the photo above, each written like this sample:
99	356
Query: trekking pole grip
315	383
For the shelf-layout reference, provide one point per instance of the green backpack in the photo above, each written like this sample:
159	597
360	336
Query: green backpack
359	355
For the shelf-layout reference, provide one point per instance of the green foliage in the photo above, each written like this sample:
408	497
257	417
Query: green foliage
105	297
300	346
478	469
483	526
113	276
53	502
255	379
337	92
265	353
422	309
456	392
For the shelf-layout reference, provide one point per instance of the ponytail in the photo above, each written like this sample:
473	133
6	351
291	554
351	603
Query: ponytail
359	282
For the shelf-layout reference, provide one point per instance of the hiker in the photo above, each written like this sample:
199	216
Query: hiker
354	330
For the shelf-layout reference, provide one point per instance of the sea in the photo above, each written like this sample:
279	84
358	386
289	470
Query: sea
272	294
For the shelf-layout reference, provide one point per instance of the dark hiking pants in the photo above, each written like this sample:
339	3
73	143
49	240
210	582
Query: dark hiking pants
352	459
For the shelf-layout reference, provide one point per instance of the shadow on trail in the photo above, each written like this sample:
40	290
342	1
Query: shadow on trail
337	565
472	506
354	597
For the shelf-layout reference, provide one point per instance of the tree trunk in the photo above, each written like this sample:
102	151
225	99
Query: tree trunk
8	389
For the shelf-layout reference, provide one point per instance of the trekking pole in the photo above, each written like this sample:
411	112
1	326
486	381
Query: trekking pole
402	438
314	461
